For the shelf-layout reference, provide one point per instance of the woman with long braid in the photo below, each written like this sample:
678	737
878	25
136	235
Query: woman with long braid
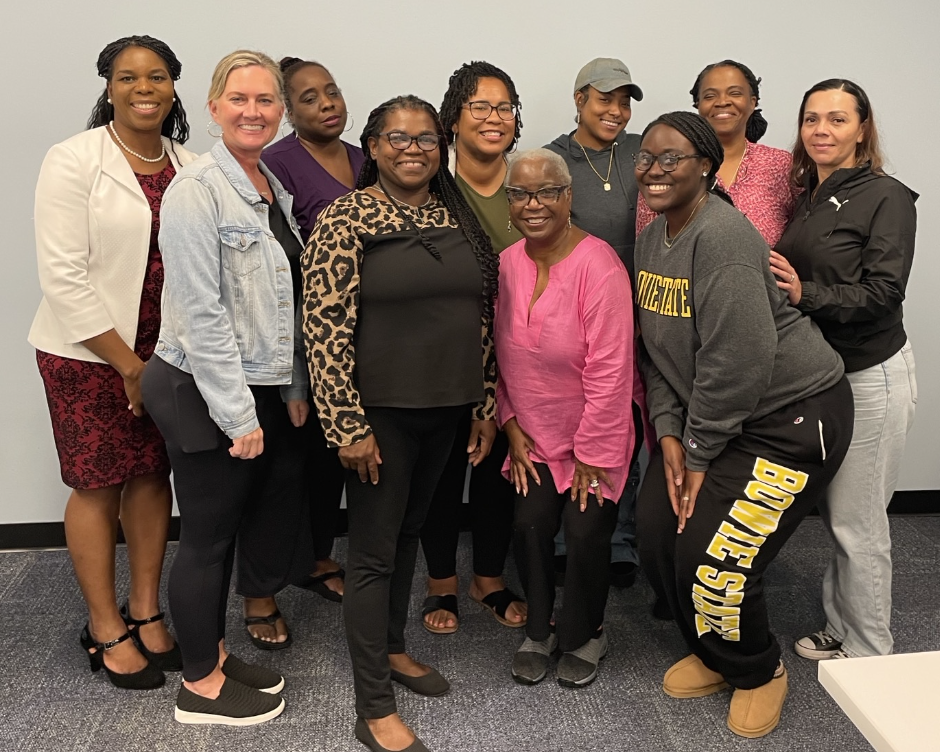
752	413
95	330
755	176
399	282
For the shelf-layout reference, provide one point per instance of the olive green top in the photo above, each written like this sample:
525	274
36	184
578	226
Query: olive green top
493	213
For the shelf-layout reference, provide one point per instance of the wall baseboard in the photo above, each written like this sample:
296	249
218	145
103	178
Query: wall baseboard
52	534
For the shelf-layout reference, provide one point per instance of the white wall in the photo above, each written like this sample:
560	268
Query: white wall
889	48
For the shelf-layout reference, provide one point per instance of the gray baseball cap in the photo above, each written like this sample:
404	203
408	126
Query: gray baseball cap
606	74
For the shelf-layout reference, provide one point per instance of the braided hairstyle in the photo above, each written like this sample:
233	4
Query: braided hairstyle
290	66
463	83
756	126
444	186
174	126
703	137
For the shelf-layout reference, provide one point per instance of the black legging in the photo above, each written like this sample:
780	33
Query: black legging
259	502
491	510
587	578
325	480
384	523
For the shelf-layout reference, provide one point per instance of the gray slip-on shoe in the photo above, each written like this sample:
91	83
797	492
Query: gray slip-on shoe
578	668
530	663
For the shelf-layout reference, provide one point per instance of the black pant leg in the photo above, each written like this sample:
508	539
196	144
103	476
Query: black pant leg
587	577
325	481
435	429
441	529
492	500
754	497
271	526
656	525
537	520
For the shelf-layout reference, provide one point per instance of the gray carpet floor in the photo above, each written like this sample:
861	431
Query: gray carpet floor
50	701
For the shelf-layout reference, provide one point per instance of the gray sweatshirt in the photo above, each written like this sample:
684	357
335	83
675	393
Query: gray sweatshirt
609	215
721	344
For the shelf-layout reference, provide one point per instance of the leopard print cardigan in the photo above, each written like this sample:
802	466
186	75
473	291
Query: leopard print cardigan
330	265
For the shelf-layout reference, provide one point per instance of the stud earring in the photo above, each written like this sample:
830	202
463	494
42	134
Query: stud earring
704	174
109	100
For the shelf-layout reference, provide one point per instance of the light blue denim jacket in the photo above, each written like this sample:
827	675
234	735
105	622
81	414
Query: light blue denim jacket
228	299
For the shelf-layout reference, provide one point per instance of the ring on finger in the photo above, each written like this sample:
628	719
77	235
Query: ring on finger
792	277
685	498
594	483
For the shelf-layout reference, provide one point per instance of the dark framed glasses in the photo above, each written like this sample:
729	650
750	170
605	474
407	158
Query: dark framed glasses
668	162
548	195
401	140
480	110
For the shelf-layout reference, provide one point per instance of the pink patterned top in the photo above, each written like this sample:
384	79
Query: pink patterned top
566	367
760	191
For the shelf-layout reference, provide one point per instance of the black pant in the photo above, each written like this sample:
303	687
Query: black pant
755	494
325	480
259	502
587	578
384	523
491	509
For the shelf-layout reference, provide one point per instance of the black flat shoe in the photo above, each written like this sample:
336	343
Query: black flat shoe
149	677
364	734
431	684
169	660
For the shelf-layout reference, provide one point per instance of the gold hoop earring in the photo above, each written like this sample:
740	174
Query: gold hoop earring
209	130
569	220
351	125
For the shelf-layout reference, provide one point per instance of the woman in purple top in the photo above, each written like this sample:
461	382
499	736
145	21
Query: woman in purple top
317	168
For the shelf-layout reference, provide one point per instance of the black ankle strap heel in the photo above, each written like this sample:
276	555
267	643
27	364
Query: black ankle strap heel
149	677
170	660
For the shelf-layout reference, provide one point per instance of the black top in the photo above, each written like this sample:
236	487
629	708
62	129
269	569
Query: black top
852	246
418	335
282	232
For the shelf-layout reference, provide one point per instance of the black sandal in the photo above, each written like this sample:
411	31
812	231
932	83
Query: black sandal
169	660
497	602
270	621
440	603
317	584
149	677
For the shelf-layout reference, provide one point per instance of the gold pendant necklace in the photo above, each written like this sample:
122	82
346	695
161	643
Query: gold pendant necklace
666	241
610	164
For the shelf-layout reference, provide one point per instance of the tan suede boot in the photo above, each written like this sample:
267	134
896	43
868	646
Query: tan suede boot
756	712
691	678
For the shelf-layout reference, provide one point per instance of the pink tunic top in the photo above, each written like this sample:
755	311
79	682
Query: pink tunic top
761	192
566	369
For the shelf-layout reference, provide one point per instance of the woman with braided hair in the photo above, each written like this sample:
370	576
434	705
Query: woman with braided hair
97	217
399	283
755	176
751	411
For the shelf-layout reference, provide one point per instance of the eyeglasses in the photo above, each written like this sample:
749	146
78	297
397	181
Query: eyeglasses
401	141
544	196
669	162
480	110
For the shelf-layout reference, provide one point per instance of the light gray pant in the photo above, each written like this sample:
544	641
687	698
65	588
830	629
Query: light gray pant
857	584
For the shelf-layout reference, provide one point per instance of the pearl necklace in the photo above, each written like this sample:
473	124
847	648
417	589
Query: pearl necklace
141	157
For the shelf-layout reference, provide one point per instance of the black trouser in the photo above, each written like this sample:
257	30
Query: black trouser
259	502
491	509
384	524
325	480
587	578
755	494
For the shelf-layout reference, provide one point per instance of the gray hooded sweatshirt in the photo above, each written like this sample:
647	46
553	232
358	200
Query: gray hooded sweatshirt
609	215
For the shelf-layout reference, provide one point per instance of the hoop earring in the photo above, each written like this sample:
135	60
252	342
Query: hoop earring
209	130
569	220
288	123
577	118
351	125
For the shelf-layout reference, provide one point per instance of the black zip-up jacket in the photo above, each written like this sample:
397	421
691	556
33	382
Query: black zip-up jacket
852	246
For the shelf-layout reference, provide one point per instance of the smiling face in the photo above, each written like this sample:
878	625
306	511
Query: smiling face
249	110
318	110
831	130
546	223
726	101
677	192
140	89
409	170
489	137
603	115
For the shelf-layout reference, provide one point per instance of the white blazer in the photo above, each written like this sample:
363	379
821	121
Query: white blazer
92	242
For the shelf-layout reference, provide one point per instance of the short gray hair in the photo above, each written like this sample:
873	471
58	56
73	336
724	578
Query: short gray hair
553	161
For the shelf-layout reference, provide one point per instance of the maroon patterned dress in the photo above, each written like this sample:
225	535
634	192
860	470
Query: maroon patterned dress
99	441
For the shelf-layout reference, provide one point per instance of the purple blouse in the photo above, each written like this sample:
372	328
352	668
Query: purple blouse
312	187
